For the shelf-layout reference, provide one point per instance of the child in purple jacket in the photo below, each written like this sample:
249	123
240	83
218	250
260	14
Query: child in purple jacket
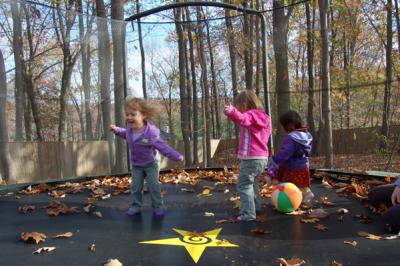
144	142
290	163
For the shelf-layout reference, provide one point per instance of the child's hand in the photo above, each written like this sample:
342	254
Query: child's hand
112	128
228	108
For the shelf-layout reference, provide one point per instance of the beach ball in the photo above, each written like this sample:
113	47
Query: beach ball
286	197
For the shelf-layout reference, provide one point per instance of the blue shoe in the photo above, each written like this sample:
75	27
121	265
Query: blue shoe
132	213
159	213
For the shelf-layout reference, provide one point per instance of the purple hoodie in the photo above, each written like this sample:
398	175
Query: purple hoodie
144	149
295	150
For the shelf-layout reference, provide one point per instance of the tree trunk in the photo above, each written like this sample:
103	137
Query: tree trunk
280	22
104	55
230	38
18	59
27	117
188	99
325	80
182	87
118	37
388	85
310	68
258	51
214	83
142	55
85	54
194	91
248	50
4	149
204	85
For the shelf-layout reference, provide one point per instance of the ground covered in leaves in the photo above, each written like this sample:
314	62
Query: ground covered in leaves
84	223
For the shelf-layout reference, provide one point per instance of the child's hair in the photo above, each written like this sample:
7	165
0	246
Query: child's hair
248	100
292	117
151	111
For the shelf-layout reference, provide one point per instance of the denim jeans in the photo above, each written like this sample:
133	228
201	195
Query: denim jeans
248	188
383	194
151	172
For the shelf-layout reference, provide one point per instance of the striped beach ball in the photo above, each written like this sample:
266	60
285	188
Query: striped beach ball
286	197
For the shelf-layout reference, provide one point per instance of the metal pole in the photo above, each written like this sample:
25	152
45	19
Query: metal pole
265	75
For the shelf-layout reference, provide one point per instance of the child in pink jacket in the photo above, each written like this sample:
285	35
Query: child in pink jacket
255	130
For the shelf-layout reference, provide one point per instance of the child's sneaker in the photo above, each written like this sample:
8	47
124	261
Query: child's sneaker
132	213
308	197
159	213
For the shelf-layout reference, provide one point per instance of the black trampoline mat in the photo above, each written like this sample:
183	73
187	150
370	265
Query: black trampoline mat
118	236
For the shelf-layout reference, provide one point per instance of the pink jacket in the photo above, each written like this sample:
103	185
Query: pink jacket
255	130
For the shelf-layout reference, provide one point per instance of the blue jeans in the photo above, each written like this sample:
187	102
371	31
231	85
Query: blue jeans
248	188
151	172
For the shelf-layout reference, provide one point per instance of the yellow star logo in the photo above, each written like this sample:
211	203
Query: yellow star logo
194	242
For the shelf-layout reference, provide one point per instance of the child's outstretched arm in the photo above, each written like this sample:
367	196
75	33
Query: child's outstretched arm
119	131
233	114
166	150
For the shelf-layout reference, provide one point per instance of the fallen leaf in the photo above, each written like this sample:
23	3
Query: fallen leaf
258	231
56	208
206	192
226	221
191	190
44	249
309	220
57	194
353	243
369	236
25	208
321	227
391	237
335	263
291	262
208	214
63	235
105	196
87	208
325	201
92	248
222	241
318	213
298	212
98	214
342	211
113	262
33	237
326	184
226	191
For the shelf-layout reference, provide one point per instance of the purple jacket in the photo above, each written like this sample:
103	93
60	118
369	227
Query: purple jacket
144	149
295	150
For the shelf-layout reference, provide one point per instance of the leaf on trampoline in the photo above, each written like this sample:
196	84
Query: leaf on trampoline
340	185
98	214
105	196
209	214
298	212
291	262
92	248
36	189
258	231
342	211
335	263
25	208
325	183
321	227
57	194
222	242
226	221
392	237
360	189
44	250
325	201
33	237
352	243
87	208
63	235
206	192
369	235
261	218
318	213
113	262
56	208
362	218
309	220
190	190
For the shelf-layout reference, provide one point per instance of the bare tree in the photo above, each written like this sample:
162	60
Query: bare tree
182	87
18	59
325	80
4	150
310	66
118	37
142	55
104	55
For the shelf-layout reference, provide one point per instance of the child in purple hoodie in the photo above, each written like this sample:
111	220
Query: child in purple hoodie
144	142
290	163
255	130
